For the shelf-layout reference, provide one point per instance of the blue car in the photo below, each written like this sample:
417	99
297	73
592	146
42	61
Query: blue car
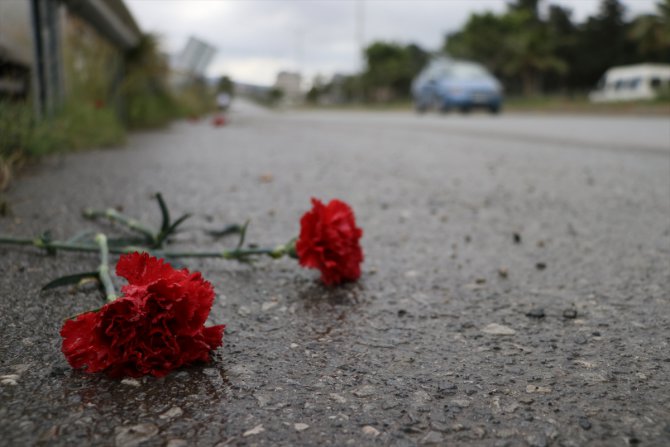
448	84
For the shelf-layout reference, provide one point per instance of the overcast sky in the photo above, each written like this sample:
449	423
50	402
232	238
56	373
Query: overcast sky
257	38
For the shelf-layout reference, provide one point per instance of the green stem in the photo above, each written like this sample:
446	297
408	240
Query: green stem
103	270
239	254
66	246
115	216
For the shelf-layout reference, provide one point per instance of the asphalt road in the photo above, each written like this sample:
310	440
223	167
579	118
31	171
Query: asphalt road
515	289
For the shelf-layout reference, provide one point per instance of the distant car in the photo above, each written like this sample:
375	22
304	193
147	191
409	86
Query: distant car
448	84
632	82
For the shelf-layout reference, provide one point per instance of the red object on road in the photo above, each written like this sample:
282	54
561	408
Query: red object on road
219	121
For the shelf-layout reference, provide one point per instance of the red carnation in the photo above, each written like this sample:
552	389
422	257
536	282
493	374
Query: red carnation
155	327
219	121
329	242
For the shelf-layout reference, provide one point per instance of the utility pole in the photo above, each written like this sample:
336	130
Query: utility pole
360	43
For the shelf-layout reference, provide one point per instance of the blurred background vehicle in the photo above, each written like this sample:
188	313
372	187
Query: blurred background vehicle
448	84
632	82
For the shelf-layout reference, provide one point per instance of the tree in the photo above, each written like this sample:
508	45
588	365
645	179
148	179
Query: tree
390	69
603	43
313	95
226	85
562	33
480	40
515	45
651	34
529	51
533	53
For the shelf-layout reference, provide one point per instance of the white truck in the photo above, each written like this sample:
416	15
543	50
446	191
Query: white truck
632	82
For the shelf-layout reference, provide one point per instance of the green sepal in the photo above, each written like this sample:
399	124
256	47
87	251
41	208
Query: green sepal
70	279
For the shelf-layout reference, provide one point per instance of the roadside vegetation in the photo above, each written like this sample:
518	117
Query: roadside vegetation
107	95
534	54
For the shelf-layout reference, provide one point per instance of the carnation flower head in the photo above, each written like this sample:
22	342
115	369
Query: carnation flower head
156	326
329	241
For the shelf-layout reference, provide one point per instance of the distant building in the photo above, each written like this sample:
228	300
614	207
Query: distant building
32	36
289	83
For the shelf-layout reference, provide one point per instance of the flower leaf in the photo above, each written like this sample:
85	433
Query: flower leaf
165	225
176	223
70	279
243	234
227	230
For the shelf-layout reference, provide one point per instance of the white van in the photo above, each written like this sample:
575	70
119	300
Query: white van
632	82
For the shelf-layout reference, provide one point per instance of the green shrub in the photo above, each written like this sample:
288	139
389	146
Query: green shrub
78	125
15	128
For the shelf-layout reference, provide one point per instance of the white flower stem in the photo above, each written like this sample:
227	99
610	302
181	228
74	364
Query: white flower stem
103	270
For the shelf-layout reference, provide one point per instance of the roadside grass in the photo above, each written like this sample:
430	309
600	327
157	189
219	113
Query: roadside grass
536	104
581	105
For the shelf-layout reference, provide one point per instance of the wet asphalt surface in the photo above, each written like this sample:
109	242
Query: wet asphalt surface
515	289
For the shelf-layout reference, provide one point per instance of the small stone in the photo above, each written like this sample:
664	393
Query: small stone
516	237
506	433
266	178
526	400
540	266
365	391
9	379
479	432
446	388
538	389
584	423
421	397
538	312
177	443
433	437
498	329
254	431
299	426
268	305
49	435
337	398
537	440
262	399
503	272
570	314
134	435
580	340
243	311
172	413
130	382
370	431
462	403
294	345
